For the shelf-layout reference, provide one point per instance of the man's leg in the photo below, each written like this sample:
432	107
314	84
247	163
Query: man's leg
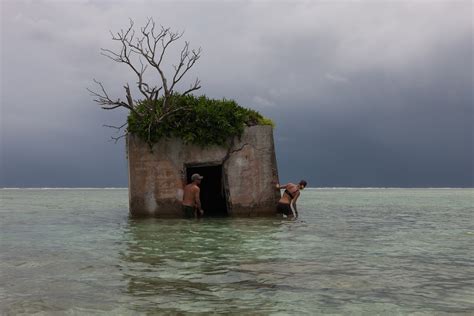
188	211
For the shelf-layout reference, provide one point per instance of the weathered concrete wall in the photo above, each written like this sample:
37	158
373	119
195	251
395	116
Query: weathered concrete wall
155	185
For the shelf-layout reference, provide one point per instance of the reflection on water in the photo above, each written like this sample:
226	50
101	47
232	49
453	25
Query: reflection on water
352	251
199	265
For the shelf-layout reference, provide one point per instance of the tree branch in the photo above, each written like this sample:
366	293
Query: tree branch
118	128
193	87
141	49
103	99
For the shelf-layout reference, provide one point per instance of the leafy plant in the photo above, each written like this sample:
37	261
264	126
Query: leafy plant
197	120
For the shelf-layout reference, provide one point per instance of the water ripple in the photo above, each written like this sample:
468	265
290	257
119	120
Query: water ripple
352	252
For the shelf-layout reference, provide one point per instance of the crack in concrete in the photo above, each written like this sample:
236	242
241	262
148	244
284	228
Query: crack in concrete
239	149
230	151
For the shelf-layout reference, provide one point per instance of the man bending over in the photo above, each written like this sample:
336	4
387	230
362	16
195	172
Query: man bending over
287	203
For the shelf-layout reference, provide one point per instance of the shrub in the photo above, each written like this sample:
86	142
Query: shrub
200	121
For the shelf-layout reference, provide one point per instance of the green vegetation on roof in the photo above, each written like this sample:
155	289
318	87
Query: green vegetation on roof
196	120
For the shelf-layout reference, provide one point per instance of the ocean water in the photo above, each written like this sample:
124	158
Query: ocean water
352	251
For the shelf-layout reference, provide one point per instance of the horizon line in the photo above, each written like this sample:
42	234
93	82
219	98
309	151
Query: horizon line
308	188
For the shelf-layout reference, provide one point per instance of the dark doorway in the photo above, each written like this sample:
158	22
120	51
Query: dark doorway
213	196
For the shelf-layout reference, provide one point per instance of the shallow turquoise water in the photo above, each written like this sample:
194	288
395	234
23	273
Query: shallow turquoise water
359	251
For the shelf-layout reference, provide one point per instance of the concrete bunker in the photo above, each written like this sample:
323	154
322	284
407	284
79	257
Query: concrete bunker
239	179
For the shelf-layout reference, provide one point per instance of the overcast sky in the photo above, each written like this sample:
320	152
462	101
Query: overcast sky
363	93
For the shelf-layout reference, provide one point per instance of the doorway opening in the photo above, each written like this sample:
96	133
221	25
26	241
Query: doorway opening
213	193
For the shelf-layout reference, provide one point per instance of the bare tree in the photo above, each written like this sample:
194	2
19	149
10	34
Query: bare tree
142	50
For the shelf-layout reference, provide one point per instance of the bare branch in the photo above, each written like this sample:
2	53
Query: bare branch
168	113
116	139
188	58
129	95
118	128
103	99
193	87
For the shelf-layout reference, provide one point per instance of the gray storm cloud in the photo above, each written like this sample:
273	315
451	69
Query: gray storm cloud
363	93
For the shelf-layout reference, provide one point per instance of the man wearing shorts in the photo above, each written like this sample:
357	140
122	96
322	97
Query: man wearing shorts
287	203
191	202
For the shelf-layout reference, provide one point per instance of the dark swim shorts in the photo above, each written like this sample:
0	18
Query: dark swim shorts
284	209
188	211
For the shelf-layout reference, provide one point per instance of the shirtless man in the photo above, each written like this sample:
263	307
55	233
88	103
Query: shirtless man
287	203
191	201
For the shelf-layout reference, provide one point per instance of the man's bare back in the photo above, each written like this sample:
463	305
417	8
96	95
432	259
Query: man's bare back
287	203
191	200
190	192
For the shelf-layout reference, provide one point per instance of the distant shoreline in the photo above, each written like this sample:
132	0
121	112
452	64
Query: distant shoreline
309	188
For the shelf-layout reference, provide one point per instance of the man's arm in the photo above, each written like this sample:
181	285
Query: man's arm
293	202
197	199
279	187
